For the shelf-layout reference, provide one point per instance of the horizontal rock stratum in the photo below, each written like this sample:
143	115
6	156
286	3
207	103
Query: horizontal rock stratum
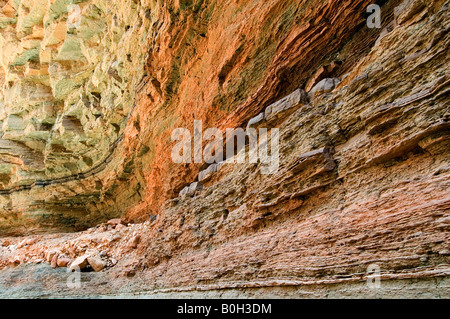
91	92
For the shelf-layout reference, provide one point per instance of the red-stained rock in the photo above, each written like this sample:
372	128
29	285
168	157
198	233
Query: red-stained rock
364	165
50	255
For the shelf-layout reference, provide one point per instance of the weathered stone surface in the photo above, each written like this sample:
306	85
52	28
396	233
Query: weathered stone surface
79	263
135	242
364	168
206	175
286	104
192	189
324	86
322	73
96	263
115	222
61	110
63	262
119	75
256	121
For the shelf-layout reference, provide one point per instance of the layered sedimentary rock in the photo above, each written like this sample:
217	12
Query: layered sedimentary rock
364	153
69	75
220	63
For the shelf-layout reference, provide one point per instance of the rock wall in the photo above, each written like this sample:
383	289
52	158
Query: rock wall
364	138
69	75
121	76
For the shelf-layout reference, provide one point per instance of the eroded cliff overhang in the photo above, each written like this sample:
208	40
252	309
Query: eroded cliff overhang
92	91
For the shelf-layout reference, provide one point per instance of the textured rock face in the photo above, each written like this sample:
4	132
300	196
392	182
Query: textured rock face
364	144
69	73
69	124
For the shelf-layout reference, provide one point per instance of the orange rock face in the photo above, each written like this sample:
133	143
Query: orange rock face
223	64
363	179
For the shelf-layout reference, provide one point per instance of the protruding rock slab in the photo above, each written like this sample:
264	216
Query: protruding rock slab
206	175
96	263
256	121
294	99
191	190
79	264
324	86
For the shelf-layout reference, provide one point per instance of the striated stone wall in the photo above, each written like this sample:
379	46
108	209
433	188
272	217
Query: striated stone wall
120	77
364	154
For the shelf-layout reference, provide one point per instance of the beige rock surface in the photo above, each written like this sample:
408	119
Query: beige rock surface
68	85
